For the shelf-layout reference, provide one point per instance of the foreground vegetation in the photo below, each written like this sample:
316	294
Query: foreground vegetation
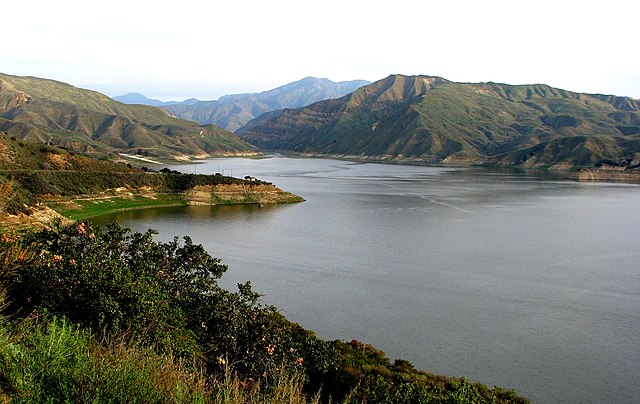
105	315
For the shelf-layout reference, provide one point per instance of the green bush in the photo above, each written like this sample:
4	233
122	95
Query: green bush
165	295
163	303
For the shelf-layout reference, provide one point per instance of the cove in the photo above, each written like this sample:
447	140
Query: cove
509	278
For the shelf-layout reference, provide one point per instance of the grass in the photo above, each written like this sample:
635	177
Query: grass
88	208
52	360
56	361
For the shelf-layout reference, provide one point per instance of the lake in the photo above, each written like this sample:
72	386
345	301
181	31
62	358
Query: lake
508	278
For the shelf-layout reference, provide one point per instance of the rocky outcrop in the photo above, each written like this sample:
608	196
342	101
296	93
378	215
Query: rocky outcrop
233	194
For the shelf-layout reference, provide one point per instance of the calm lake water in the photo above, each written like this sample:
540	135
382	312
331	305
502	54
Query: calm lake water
510	279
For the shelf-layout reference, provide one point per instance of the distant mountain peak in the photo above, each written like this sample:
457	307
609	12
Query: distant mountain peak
235	110
141	99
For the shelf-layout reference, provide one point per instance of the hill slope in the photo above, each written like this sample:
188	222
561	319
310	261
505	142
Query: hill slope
234	111
51	112
431	119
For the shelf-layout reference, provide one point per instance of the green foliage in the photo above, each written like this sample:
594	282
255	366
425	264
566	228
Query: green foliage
364	373
53	360
164	294
162	304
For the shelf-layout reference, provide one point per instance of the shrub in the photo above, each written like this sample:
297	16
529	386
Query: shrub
163	294
163	303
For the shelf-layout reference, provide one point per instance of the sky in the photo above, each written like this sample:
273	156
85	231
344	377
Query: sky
205	49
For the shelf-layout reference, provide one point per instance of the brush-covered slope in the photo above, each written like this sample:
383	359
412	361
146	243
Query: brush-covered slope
234	111
432	119
48	111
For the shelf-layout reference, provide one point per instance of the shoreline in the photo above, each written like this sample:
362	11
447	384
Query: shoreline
88	206
580	174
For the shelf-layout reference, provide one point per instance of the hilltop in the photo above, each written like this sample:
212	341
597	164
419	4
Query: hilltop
40	183
51	112
234	111
431	119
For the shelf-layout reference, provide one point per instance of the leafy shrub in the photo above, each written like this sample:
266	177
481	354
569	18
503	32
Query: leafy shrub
163	300
164	294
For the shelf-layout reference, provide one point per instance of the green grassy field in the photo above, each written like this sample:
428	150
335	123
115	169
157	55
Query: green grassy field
88	208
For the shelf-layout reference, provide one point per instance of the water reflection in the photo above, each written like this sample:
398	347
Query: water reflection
506	277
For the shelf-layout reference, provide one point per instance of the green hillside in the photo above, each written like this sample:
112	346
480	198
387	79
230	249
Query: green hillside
431	119
34	177
51	112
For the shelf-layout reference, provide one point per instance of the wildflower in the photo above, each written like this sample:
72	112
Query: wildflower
292	350
222	361
56	258
271	349
92	236
299	361
72	262
81	228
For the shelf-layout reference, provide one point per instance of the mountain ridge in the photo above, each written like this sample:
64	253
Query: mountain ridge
141	99
49	111
233	111
431	119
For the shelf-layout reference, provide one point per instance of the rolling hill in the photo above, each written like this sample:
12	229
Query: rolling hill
430	119
56	113
233	111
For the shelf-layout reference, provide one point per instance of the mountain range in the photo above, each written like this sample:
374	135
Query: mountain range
141	99
406	118
431	119
233	111
56	113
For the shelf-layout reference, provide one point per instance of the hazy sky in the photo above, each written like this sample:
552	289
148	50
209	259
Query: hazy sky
205	49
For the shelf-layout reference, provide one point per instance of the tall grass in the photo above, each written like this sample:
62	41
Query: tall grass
55	361
286	389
